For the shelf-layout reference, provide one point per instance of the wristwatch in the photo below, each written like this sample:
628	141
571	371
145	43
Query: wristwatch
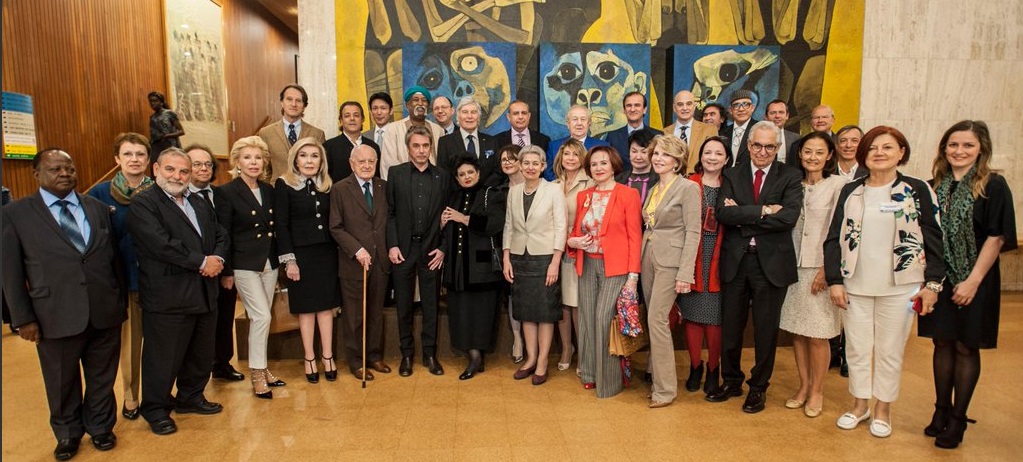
933	286
765	211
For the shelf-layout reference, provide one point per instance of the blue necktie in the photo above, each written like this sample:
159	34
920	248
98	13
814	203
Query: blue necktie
471	147
70	226
292	136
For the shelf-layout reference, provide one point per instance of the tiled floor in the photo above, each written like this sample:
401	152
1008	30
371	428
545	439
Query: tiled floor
493	417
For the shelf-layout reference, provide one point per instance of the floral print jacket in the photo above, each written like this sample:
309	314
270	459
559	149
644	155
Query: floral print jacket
917	254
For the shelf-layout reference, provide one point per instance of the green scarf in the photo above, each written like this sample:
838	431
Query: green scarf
122	193
957	220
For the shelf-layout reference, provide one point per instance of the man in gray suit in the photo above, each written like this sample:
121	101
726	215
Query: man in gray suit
63	281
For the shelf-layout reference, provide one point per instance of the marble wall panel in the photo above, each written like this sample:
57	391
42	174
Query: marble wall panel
317	67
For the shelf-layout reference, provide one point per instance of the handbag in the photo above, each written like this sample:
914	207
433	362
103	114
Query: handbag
620	344
627	334
496	256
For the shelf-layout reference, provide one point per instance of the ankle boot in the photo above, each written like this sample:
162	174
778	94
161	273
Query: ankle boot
259	387
953	434
695	375
938	422
713	381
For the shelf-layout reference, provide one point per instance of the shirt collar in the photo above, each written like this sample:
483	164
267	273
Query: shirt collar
49	198
753	169
475	134
297	123
362	182
193	189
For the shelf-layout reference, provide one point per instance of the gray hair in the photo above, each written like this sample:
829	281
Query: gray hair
174	151
467	100
766	125
533	149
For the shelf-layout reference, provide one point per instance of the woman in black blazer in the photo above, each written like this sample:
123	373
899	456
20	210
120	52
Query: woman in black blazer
245	210
308	252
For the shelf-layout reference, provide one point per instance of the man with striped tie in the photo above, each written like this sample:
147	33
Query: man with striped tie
64	284
520	133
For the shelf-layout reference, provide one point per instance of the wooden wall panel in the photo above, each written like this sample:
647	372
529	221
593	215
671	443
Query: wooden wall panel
88	66
262	63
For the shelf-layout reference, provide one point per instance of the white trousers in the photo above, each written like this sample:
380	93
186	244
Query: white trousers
876	330
256	290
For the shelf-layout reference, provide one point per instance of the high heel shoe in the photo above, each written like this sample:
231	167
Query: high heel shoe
474	367
953	434
939	421
314	376
516	354
564	366
130	414
329	369
259	386
271	380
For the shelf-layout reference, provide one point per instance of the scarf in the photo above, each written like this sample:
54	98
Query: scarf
957	220
122	192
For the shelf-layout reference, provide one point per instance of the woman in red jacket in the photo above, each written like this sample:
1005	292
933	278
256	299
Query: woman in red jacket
605	242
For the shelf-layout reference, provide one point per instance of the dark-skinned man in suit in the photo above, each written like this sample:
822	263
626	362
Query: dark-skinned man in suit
61	278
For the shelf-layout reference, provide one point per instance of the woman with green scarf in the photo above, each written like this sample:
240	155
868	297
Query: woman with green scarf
978	221
131	152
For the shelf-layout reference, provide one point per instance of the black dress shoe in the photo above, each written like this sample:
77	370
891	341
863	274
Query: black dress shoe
105	441
431	363
228	373
66	448
722	394
755	401
203	407
844	370
163	426
474	367
130	414
405	369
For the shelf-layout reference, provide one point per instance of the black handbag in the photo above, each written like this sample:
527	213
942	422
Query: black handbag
496	255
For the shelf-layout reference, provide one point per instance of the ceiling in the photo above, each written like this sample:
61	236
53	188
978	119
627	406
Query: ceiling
285	10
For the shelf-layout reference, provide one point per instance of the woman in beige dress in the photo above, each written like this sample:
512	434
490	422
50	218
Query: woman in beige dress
570	175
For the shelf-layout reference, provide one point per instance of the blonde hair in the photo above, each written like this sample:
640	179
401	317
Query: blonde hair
249	142
672	146
580	152
295	179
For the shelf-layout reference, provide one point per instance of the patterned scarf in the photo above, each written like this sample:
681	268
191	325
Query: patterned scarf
123	193
957	220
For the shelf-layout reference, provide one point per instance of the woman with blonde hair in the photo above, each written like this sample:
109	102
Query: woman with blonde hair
308	252
245	209
568	170
670	242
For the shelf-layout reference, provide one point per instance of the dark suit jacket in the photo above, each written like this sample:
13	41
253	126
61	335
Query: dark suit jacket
169	259
783	186
48	281
619	139
741	157
249	225
792	140
301	219
354	227
399	217
339	151
535	138
451	147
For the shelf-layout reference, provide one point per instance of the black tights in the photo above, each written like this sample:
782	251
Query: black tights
956	369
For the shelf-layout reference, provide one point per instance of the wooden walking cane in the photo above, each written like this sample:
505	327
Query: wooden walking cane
364	276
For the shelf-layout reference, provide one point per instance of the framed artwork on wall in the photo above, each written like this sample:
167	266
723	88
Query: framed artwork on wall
195	56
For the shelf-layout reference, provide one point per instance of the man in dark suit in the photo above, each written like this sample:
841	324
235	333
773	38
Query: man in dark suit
443	109
62	278
635	109
741	109
788	146
181	250
358	222
520	133
759	204
577	119
339	148
380	107
469	141
204	170
417	192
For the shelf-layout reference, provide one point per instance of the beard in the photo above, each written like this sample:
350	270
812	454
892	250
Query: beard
173	188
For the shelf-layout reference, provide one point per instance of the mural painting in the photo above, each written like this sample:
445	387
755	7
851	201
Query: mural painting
713	72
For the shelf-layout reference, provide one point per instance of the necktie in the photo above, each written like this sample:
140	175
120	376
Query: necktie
736	138
471	147
292	136
70	226
369	197
205	193
685	139
522	139
380	136
758	181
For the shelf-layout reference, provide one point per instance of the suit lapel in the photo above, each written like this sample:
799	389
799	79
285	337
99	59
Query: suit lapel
169	203
360	196
610	206
47	217
92	215
281	134
770	180
666	198
744	178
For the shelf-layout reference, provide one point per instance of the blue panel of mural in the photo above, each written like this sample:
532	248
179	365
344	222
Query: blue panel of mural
485	71
713	72
594	75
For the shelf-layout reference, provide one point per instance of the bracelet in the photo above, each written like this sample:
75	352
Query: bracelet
933	286
633	277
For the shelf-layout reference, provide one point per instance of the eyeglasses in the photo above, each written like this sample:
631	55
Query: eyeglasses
508	160
198	165
757	147
742	105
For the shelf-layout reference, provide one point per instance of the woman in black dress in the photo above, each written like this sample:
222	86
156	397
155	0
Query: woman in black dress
978	222
308	252
473	223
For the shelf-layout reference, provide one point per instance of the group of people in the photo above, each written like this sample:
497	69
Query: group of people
707	223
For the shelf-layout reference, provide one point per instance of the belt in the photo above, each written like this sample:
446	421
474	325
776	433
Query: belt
751	249
417	238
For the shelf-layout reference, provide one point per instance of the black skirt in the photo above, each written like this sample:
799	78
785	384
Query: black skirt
471	319
532	299
318	286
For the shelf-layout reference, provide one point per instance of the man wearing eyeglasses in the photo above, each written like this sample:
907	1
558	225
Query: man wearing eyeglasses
741	109
690	131
759	204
